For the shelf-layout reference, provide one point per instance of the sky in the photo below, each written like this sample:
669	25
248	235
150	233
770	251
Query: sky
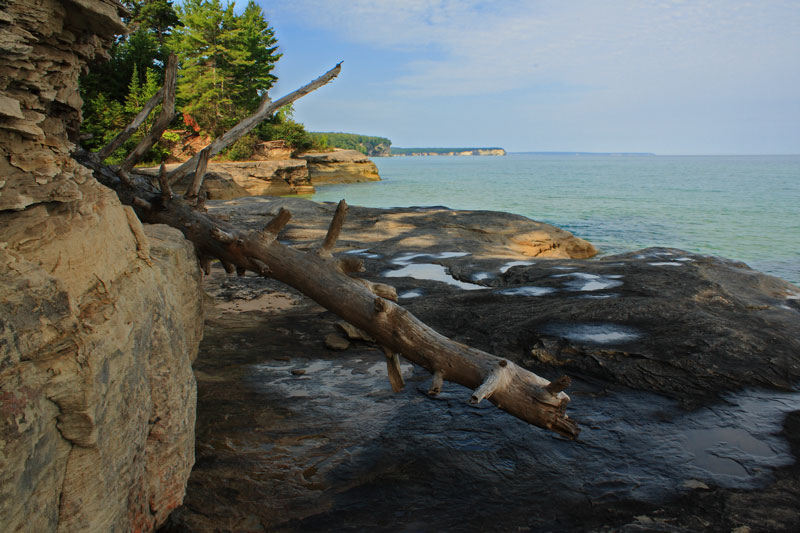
661	76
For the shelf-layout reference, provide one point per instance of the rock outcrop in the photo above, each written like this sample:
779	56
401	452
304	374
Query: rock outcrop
267	176
272	151
340	166
684	370
100	317
436	229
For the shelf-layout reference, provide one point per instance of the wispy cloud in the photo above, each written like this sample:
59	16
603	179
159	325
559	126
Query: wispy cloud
638	75
471	46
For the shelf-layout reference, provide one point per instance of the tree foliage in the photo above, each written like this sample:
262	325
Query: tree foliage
366	144
143	49
226	62
283	126
115	90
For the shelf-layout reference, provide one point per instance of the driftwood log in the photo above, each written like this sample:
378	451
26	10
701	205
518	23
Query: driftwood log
333	283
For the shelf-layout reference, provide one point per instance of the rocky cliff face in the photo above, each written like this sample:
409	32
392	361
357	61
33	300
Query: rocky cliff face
340	166
271	175
100	317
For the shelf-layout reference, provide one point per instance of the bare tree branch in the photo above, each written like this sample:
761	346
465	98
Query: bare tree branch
166	190
131	128
193	190
265	110
163	120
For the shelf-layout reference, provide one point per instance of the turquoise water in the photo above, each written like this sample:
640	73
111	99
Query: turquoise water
740	207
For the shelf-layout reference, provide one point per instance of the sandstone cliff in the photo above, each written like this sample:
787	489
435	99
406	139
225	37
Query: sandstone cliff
340	166
232	179
100	317
273	174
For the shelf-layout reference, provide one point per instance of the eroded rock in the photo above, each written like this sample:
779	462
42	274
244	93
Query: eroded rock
340	166
100	318
270	175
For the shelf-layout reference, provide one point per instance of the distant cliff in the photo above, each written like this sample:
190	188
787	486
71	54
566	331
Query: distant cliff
447	151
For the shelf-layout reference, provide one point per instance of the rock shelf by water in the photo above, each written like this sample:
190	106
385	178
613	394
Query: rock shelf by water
684	386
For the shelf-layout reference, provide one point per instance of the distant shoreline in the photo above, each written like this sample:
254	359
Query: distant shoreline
402	152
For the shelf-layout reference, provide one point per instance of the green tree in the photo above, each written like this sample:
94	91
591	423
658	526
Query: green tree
144	48
283	126
156	16
106	117
258	40
226	61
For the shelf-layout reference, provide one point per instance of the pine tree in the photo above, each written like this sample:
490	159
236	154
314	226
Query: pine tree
258	40
226	61
158	16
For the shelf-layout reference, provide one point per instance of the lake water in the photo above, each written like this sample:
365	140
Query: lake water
740	207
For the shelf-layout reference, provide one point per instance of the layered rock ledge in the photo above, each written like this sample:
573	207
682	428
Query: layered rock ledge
226	180
340	166
100	317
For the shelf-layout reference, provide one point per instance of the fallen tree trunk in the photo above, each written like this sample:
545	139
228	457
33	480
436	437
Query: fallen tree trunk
330	282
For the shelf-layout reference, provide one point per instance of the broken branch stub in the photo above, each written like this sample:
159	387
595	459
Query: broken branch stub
334	229
193	190
393	370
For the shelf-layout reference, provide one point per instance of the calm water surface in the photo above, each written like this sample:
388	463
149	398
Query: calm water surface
740	207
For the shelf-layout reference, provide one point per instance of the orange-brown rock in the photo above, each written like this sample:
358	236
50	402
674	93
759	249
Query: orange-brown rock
272	151
340	166
232	179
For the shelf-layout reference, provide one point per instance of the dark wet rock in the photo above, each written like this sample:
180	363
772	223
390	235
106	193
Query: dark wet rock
684	370
668	321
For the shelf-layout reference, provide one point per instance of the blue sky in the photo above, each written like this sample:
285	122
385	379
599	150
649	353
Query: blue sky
670	77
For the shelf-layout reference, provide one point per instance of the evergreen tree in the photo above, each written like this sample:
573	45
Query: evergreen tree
157	16
226	61
144	48
258	40
114	91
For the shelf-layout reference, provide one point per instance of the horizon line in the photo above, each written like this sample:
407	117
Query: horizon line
577	152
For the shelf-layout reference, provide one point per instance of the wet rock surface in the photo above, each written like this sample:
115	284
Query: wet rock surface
684	372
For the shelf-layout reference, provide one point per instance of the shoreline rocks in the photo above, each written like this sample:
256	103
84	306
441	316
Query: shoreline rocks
340	166
412	152
226	180
669	354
